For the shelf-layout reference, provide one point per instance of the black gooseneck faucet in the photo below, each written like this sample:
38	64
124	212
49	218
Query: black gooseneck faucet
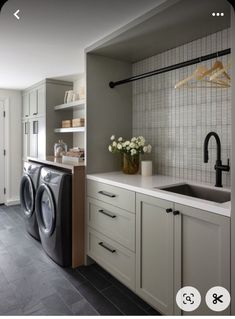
219	168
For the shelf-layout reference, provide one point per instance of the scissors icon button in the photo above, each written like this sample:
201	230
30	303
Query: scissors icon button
218	298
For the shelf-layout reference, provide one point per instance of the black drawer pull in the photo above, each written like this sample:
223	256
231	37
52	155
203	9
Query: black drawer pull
176	212
169	210
107	248
107	194
106	213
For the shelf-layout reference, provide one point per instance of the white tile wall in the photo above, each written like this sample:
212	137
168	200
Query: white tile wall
176	121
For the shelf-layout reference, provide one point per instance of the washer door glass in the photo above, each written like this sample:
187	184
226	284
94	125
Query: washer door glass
27	195
45	209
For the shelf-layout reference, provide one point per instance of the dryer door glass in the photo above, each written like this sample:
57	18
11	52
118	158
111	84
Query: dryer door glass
45	210
27	195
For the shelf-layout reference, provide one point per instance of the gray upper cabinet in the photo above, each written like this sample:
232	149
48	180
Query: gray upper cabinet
154	252
40	120
25	110
202	253
33	103
41	100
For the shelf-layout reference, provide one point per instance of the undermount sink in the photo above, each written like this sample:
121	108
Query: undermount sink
213	195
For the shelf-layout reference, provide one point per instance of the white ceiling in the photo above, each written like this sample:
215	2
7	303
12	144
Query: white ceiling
49	39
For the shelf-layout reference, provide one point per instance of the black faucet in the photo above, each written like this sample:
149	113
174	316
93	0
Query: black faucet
218	164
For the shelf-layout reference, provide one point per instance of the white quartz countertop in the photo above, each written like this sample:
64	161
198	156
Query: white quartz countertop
149	186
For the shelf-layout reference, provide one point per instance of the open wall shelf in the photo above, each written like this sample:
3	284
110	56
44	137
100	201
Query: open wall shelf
70	130
76	105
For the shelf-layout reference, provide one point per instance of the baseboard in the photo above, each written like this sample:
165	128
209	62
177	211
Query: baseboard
12	202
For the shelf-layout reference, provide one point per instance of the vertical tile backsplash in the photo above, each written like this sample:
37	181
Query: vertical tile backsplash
176	121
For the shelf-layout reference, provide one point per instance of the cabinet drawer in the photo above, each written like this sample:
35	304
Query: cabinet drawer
113	195
114	258
117	224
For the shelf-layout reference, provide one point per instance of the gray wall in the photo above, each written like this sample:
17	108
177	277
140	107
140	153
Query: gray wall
108	111
176	122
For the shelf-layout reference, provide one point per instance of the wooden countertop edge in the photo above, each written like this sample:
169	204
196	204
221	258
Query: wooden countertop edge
51	162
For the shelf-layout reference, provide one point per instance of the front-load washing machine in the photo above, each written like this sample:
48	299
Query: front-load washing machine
54	214
28	188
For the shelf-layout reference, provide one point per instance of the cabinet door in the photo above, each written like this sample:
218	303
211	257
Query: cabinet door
37	137
154	252
25	131
202	253
41	100
25	111
33	103
33	138
41	126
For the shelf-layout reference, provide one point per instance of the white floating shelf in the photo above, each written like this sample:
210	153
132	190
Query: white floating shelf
70	130
76	105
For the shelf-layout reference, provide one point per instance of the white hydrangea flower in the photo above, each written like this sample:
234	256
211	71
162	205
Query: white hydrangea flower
110	148
132	145
149	148
112	138
127	143
114	144
119	146
141	143
133	152
120	139
128	148
133	139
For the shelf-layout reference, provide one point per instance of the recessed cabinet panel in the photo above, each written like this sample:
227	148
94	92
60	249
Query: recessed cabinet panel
26	133
154	250
113	195
113	222
113	257
204	247
25	112
33	103
41	100
41	136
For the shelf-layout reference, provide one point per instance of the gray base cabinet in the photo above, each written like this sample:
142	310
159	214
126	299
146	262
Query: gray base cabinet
202	253
155	247
154	252
191	248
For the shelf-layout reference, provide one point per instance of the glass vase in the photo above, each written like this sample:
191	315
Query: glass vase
130	164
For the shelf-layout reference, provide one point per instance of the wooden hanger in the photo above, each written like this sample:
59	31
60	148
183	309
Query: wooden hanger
200	75
218	66
221	72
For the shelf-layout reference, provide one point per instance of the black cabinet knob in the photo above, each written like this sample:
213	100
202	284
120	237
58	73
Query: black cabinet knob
169	210
176	212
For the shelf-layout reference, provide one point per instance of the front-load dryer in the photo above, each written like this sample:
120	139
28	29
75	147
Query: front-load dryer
54	214
28	188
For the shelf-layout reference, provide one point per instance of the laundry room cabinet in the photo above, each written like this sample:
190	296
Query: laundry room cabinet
179	246
39	118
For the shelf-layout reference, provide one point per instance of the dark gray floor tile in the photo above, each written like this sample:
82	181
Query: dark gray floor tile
66	291
32	284
75	277
125	304
54	305
83	308
127	293
94	277
101	304
8	300
153	312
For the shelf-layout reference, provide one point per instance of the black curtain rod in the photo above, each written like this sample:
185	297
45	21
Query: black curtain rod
171	67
